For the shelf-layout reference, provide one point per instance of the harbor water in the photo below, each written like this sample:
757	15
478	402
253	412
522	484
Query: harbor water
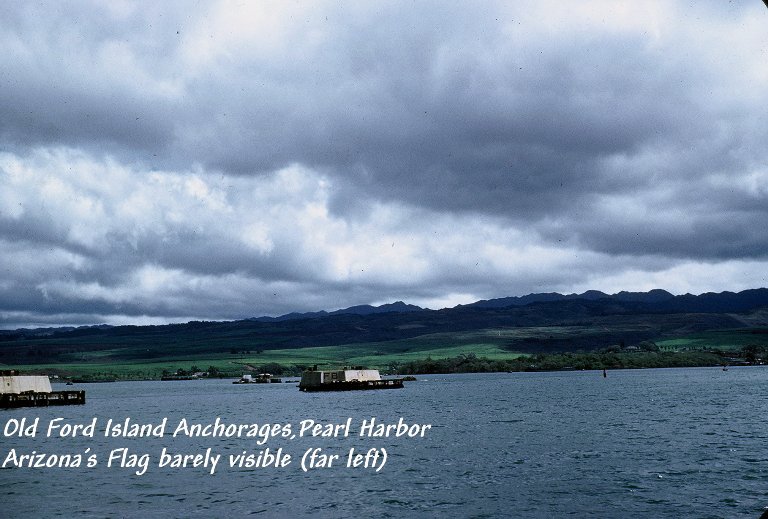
637	443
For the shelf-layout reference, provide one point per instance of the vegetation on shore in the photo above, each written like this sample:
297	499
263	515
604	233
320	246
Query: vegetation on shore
561	361
647	356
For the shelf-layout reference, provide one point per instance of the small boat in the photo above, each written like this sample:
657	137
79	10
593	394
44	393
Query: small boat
261	378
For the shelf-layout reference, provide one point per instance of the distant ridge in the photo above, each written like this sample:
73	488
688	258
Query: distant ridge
397	306
718	302
593	320
655	300
654	296
652	302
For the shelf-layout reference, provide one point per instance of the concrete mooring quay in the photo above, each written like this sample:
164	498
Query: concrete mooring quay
9	401
33	391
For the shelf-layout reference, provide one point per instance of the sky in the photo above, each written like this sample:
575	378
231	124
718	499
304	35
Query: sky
169	161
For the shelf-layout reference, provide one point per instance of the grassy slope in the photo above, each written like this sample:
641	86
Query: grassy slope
491	344
726	340
131	352
378	355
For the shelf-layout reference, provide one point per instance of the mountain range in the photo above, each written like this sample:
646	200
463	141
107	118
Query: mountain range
653	301
535	323
656	300
397	306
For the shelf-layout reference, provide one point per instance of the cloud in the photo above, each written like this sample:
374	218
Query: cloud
226	160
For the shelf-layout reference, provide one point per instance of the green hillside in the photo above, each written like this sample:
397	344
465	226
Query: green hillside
389	341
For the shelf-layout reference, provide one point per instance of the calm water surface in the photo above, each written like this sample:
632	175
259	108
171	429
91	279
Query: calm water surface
644	443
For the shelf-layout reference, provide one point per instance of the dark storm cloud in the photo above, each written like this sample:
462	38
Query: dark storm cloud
490	116
217	159
75	75
456	109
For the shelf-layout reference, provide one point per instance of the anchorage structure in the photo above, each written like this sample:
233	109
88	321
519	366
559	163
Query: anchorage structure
33	391
346	380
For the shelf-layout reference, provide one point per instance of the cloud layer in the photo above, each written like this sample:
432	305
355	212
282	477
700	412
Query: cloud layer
163	162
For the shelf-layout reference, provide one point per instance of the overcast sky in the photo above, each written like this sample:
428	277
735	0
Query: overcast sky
161	161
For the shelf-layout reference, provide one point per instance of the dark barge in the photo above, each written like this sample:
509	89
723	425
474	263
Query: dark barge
33	391
346	380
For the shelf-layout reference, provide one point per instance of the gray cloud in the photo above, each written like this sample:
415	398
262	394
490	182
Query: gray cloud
219	161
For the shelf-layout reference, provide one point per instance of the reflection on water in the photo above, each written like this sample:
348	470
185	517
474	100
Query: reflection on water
644	443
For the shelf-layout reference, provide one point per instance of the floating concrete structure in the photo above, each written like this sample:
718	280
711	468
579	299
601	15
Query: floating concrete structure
346	380
33	391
